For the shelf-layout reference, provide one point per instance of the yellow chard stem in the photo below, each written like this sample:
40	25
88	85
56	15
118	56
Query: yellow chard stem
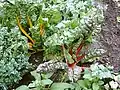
41	29
23	31
30	45
29	21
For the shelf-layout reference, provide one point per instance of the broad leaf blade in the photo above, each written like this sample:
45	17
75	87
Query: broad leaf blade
61	86
23	87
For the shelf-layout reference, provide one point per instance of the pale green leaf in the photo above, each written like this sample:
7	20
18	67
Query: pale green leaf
23	87
85	84
47	75
46	82
95	86
61	86
31	85
36	75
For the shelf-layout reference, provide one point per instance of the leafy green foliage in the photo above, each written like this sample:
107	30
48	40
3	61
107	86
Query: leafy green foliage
90	85
61	86
13	55
97	77
64	22
90	80
3	86
23	87
39	83
79	21
98	70
94	79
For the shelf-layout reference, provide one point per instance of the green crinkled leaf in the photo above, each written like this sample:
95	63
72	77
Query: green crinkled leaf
13	55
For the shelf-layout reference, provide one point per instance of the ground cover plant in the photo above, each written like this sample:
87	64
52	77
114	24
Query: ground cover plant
64	31
14	55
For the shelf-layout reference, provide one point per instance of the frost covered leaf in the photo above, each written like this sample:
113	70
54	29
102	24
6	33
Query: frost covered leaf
51	66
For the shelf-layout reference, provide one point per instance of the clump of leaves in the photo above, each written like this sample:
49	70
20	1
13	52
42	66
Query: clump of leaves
97	77
86	84
40	83
52	23
80	21
13	55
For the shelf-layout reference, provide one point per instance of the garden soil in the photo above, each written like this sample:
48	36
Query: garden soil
110	34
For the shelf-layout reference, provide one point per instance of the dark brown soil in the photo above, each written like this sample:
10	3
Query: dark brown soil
110	34
36	58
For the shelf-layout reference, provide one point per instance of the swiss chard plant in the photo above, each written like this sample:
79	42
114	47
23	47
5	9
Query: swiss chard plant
51	24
